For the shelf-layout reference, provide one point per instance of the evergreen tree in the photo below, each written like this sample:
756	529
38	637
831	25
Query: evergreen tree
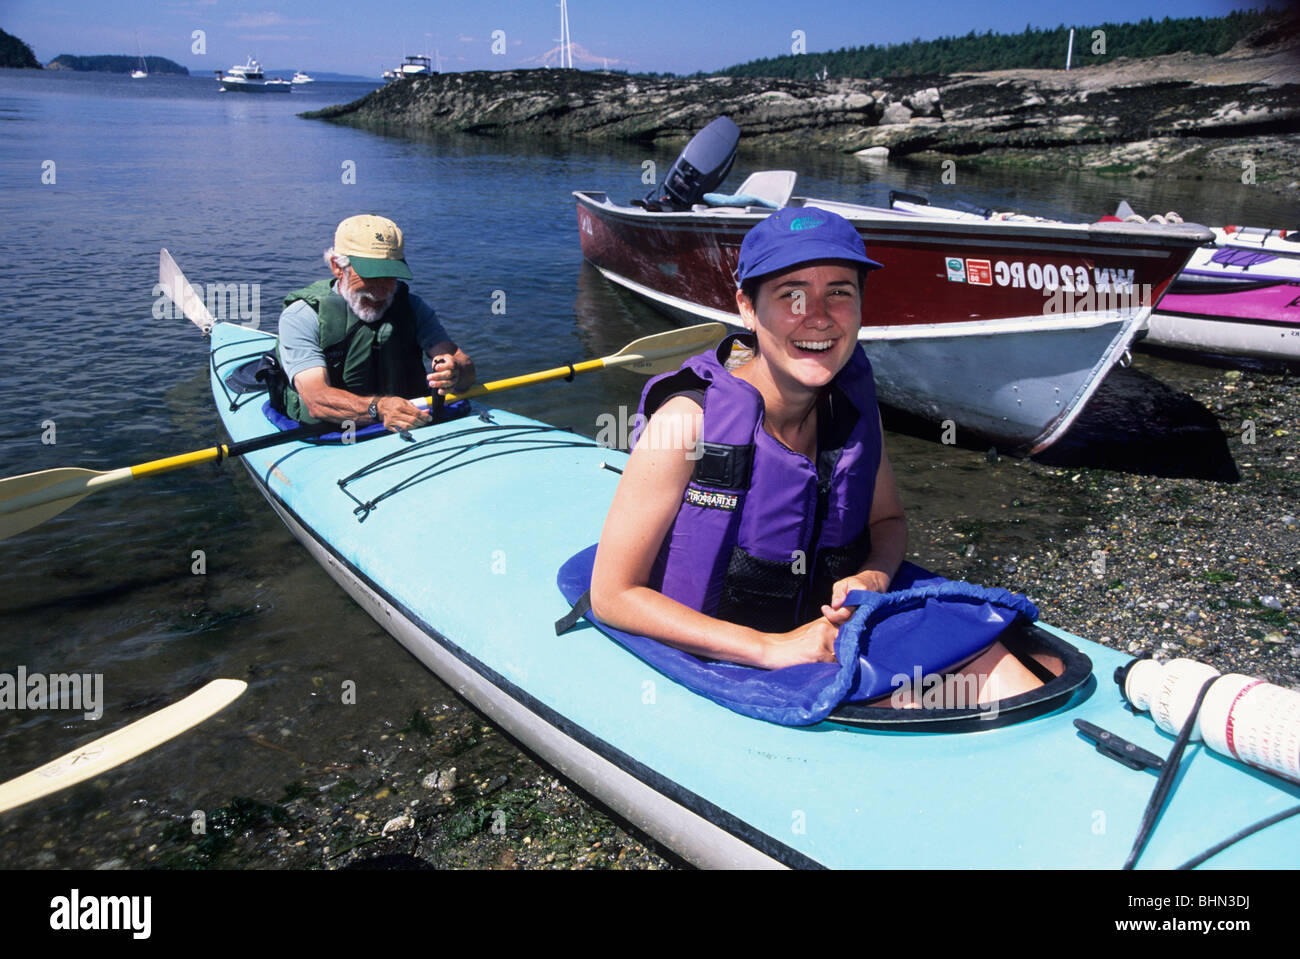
1032	48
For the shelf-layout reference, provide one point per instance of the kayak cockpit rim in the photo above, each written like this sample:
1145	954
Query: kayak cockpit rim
1066	674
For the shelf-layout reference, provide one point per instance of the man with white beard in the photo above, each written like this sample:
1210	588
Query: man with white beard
353	348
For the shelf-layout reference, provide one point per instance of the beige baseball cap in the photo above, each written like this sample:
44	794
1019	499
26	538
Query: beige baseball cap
374	245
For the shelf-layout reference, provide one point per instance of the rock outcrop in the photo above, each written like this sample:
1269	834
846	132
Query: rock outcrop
1124	116
615	106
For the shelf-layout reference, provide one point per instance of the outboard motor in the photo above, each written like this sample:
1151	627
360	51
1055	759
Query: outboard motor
700	168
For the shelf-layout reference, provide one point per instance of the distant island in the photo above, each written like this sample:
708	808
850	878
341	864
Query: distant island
114	63
15	54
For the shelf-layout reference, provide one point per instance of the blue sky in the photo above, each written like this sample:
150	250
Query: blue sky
662	35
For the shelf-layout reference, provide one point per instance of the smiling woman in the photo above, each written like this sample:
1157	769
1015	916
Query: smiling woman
741	539
741	542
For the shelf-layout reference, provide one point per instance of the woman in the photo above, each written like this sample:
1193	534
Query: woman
758	496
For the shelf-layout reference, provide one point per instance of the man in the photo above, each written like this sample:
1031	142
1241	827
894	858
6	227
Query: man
352	348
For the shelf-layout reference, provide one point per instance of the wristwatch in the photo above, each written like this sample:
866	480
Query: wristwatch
372	410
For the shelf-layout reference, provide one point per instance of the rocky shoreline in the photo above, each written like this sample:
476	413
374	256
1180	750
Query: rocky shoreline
1181	115
1173	566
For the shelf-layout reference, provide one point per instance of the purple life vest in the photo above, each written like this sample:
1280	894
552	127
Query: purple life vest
763	532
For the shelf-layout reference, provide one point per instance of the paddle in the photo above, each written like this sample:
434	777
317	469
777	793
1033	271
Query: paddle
121	745
650	355
33	498
174	284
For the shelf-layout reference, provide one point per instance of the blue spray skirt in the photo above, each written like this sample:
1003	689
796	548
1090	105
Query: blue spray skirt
925	623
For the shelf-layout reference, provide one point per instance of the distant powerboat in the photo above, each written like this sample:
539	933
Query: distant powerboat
249	79
410	68
416	67
301	77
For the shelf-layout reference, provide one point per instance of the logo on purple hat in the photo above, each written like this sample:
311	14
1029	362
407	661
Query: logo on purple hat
805	223
798	235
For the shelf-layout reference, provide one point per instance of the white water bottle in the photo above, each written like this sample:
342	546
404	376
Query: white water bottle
1248	719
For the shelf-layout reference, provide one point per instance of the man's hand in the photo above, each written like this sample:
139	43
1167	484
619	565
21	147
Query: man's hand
399	415
444	376
453	370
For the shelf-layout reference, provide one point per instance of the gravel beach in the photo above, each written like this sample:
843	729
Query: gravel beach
1174	566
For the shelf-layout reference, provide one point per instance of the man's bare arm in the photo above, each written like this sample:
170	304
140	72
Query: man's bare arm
326	402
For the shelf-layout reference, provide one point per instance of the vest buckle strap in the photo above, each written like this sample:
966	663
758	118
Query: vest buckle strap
724	465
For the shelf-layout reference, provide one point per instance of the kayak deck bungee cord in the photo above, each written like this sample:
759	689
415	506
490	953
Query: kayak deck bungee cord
499	434
719	788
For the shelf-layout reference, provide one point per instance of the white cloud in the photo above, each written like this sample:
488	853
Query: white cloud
266	19
270	18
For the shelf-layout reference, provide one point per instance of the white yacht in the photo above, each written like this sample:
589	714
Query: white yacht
416	67
249	79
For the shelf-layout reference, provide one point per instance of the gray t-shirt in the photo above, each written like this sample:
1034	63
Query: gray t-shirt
300	335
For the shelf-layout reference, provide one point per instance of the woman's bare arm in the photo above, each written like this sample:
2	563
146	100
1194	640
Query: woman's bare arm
888	537
645	505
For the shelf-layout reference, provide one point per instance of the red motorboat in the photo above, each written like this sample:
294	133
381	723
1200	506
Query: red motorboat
1004	329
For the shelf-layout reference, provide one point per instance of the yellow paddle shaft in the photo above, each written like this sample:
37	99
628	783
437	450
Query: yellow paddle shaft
559	372
169	463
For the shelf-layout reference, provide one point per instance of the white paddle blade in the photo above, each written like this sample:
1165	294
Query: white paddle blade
664	352
117	747
31	499
174	284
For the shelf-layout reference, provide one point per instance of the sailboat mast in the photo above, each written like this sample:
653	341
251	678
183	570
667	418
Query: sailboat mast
566	52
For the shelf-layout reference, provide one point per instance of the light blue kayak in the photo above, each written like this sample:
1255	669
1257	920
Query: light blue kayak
720	789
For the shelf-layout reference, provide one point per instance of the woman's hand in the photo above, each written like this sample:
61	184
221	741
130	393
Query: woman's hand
811	643
869	579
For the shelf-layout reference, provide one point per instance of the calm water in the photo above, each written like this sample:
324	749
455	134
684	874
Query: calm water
242	191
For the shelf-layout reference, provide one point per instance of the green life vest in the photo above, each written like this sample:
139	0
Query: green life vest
360	357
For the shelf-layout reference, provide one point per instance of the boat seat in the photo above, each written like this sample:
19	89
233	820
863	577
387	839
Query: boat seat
762	191
739	204
771	186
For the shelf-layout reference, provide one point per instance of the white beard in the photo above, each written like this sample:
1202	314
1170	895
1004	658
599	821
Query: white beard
369	309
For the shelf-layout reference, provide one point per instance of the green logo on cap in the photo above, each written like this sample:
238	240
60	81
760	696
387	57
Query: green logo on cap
805	223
